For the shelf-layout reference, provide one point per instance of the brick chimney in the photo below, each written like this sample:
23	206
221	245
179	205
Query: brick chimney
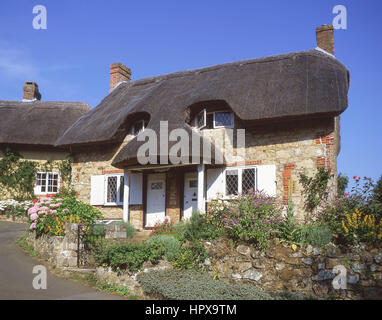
118	73
31	91
325	39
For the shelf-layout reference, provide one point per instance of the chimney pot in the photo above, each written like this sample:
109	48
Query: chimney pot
325	38
118	73
31	91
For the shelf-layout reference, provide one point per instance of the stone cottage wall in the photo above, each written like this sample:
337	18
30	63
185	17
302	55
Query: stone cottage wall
294	147
88	162
39	156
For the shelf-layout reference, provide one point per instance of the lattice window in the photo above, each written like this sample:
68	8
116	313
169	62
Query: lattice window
248	180
47	182
232	182
240	180
114	188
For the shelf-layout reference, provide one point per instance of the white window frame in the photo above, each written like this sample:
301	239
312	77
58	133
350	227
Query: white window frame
118	202
204	118
133	133
37	189
232	120
240	170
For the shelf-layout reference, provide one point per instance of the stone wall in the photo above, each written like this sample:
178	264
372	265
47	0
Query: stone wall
89	162
12	218
294	147
62	251
37	155
306	270
126	278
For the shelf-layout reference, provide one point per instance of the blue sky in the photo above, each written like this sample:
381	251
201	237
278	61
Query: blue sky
70	60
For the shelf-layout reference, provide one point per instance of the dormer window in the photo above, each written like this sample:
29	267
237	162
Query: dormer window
138	127
213	120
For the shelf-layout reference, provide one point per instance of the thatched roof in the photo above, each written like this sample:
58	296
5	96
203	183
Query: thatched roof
309	83
37	122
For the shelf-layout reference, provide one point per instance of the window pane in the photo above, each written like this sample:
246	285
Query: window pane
210	121
200	119
248	182
121	188
52	185
112	189
223	119
156	186
232	182
193	183
138	127
38	179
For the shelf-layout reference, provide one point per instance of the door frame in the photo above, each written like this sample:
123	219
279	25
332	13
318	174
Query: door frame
185	181
146	191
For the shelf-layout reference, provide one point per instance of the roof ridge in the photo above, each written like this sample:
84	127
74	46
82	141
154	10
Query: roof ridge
182	73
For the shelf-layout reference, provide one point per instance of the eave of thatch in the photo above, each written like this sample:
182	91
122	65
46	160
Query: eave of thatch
38	123
301	84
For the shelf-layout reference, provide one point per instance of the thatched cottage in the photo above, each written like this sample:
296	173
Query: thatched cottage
31	127
288	105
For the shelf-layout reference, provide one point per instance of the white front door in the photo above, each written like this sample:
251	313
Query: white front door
190	194
156	199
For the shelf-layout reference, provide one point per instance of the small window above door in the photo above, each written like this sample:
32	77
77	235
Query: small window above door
156	185
193	183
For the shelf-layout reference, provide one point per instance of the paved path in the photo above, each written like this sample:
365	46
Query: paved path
16	273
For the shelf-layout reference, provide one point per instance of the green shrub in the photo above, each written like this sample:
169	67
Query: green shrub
315	189
342	183
129	256
193	285
288	229
315	234
170	244
190	256
198	227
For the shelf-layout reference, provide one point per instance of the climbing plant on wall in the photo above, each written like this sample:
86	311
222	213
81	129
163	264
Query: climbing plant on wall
17	175
315	189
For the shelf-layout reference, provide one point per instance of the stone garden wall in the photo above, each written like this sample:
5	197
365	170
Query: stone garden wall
62	251
12	218
306	270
